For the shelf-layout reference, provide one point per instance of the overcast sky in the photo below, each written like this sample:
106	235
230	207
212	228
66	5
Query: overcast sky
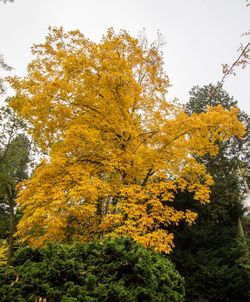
200	34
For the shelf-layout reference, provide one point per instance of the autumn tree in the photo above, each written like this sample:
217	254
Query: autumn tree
117	149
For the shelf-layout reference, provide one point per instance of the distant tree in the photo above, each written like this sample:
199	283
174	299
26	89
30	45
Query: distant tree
209	253
112	271
14	159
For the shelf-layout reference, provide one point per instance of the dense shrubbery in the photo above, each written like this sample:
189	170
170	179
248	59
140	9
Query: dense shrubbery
115	270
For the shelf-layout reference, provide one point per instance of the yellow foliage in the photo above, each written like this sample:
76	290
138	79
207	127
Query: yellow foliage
118	151
3	252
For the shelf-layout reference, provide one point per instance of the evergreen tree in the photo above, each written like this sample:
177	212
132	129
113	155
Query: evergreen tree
14	159
208	253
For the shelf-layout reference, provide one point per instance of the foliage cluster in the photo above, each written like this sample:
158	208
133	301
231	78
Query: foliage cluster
112	271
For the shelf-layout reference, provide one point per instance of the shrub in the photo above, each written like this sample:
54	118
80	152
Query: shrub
111	271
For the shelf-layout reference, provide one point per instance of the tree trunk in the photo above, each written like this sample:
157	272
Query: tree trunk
240	229
12	224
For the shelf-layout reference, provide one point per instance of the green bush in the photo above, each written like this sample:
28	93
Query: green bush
115	270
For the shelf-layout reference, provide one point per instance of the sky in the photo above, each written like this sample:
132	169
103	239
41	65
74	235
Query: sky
200	35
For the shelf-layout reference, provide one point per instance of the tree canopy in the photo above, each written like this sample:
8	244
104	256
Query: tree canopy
117	149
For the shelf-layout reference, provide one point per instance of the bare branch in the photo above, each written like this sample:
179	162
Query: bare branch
241	60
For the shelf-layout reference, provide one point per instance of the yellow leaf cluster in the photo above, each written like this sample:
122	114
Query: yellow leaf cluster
3	252
118	151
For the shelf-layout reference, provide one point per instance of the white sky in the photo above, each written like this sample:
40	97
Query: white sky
200	34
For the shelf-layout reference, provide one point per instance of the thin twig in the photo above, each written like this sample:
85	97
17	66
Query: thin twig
234	64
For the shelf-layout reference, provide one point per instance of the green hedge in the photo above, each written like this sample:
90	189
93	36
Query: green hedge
115	271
